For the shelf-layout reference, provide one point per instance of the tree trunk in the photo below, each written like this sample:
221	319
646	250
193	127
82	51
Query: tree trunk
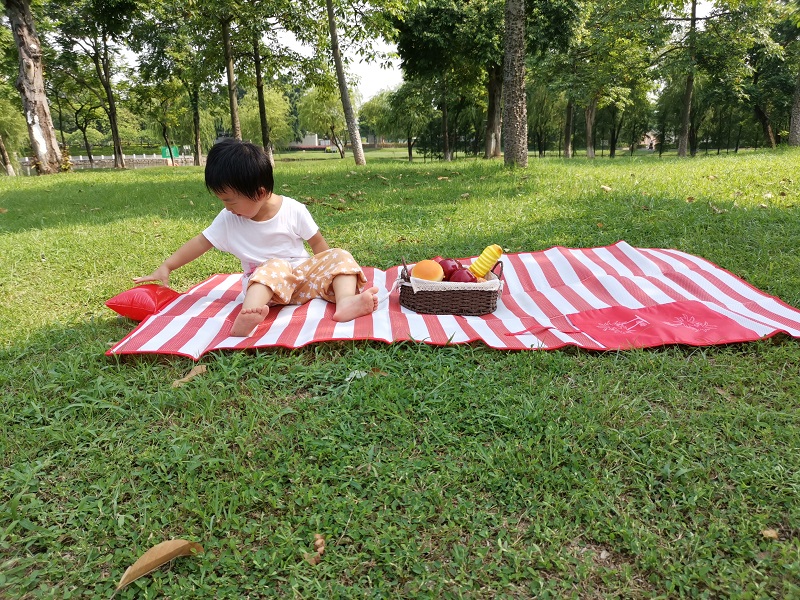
515	110
165	135
569	124
6	159
410	145
194	100
686	108
349	114
591	113
766	126
104	74
88	147
236	127
30	84
616	132
794	121
262	108
494	89
448	155
336	142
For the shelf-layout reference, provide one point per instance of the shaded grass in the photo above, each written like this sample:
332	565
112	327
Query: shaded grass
446	472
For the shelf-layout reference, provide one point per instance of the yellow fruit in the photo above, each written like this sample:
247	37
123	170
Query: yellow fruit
488	259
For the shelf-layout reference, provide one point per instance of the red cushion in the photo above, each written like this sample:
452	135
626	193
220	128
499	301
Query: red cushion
142	301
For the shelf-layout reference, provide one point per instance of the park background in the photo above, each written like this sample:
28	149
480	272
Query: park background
452	472
602	77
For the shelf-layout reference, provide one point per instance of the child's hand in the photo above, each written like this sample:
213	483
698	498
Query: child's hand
160	274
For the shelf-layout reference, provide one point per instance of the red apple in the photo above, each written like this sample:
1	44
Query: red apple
463	276
448	266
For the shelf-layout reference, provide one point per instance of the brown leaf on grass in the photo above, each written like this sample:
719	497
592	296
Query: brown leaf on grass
156	556
690	199
605	188
712	177
198	370
717	209
319	549
442	178
3	211
770	534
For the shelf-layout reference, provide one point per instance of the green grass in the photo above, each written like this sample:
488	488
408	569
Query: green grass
457	472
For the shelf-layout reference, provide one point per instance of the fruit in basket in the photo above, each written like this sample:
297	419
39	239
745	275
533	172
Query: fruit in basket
428	269
488	259
448	266
463	276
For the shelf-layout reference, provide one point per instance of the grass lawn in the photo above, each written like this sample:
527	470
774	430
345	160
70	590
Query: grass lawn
456	472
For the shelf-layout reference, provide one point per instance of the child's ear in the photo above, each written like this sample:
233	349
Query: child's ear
263	194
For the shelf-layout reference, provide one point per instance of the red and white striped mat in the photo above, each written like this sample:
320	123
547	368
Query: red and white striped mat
609	298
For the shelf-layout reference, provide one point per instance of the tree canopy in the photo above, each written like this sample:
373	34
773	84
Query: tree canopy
595	74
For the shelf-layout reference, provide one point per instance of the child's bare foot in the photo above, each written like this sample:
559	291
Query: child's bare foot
247	319
359	305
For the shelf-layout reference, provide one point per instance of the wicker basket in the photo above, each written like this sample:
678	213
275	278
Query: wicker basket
440	299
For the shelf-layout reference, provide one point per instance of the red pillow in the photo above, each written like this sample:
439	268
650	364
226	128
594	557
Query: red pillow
142	301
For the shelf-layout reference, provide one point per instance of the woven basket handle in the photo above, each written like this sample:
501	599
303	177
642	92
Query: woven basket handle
499	273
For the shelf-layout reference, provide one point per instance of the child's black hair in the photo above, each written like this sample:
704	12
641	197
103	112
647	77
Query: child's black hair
239	166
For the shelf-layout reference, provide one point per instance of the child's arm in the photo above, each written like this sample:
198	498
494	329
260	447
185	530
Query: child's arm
318	243
194	248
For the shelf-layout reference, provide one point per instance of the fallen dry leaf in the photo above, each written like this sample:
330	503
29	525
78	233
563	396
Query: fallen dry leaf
712	177
155	557
319	549
770	534
443	178
3	211
466	195
198	370
605	188
716	209
690	199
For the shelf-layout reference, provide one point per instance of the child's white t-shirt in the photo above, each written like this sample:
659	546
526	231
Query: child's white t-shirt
255	242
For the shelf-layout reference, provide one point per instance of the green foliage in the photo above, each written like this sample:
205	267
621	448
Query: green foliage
320	111
277	107
453	471
12	122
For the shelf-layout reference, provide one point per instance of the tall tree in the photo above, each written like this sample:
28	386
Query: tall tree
320	112
412	110
170	47
95	29
30	84
514	102
344	94
686	106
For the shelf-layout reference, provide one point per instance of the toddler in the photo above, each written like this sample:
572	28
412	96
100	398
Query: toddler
266	233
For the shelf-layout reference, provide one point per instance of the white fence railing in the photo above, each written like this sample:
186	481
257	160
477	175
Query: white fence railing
132	161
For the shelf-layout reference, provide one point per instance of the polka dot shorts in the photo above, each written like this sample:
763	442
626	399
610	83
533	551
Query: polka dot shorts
313	278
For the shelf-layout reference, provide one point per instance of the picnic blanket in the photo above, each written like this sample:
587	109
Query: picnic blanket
608	298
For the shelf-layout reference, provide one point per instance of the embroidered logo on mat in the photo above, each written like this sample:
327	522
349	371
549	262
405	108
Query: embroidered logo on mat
623	327
689	322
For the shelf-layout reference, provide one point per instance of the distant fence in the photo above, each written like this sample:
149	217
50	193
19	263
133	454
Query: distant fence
132	161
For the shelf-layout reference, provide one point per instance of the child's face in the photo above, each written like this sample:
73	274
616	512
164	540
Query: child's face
244	206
